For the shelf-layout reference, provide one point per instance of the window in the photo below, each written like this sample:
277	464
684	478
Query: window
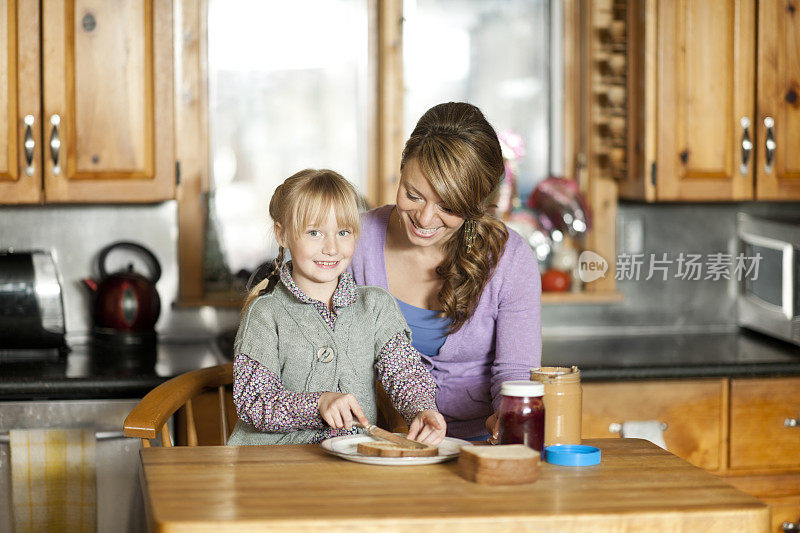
322	83
287	86
492	53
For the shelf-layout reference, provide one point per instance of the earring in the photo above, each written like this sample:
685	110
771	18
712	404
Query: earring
469	234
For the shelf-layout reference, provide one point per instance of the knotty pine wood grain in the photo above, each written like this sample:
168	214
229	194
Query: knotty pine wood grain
758	410
706	65
20	95
692	409
637	487
778	85
135	152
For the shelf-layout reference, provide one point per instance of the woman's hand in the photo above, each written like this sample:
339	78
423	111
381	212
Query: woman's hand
338	409
428	427
493	427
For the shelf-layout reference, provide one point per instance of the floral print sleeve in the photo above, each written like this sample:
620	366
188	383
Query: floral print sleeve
262	401
405	379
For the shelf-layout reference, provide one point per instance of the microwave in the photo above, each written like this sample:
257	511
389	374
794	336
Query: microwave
770	302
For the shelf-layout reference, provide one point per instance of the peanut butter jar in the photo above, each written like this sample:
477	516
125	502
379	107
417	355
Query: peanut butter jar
562	403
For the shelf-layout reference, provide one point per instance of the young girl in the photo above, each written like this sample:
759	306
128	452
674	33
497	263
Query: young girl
310	341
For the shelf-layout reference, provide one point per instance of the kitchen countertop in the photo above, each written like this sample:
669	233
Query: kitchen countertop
699	355
89	372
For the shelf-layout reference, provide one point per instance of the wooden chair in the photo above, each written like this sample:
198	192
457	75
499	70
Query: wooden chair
150	416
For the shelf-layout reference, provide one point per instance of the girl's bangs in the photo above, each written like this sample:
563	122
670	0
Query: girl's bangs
314	206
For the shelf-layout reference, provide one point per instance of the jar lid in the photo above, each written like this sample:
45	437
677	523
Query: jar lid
572	455
522	388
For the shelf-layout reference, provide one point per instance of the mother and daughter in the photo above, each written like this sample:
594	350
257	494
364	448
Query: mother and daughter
437	299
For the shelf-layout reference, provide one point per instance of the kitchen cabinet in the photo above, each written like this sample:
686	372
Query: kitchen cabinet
691	410
741	429
719	83
103	72
765	423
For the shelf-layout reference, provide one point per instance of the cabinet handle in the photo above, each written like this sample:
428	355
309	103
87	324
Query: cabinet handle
747	145
55	143
770	144
29	144
616	427
791	423
790	526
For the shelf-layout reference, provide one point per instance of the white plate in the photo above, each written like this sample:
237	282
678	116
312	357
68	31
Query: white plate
346	447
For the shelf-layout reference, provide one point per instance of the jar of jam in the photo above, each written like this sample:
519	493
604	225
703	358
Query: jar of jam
521	415
562	399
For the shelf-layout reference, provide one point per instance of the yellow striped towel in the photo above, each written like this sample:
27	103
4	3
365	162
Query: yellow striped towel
53	480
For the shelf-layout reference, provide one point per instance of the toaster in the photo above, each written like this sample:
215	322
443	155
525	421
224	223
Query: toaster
31	303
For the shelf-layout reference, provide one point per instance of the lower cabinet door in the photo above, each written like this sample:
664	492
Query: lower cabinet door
785	518
689	411
765	423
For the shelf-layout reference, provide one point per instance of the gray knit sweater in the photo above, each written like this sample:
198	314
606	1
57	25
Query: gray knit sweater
290	339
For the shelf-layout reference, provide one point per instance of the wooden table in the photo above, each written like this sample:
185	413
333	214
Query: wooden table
637	487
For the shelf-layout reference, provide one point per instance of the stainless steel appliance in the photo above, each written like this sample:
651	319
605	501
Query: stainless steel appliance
31	306
770	301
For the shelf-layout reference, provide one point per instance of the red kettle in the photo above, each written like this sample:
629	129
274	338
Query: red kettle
125	300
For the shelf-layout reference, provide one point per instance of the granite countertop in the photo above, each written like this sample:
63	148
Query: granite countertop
738	353
89	372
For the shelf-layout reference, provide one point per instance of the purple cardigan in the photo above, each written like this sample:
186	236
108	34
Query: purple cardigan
500	342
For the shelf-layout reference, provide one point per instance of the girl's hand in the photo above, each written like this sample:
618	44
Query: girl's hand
493	427
428	427
338	409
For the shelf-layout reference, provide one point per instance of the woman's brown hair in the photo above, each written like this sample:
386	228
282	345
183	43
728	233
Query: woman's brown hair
459	153
306	198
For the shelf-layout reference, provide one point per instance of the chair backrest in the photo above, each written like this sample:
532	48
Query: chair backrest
150	416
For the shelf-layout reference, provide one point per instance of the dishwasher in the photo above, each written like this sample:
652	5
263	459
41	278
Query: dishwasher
119	496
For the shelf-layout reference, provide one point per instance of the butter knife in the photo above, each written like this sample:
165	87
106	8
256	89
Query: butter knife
403	442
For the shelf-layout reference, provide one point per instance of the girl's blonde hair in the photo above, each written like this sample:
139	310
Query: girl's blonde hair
304	199
459	154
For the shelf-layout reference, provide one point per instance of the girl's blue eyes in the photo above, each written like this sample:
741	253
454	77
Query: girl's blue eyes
317	233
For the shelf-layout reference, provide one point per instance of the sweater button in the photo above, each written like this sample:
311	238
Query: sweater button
325	355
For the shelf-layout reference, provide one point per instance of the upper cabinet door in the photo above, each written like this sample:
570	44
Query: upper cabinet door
107	71
706	65
778	89
20	117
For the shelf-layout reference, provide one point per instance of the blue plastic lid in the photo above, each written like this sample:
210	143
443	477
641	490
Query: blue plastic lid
572	455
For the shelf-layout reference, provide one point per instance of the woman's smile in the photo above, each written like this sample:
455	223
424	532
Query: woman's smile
425	233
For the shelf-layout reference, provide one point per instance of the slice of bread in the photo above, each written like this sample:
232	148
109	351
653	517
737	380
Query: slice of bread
510	464
390	449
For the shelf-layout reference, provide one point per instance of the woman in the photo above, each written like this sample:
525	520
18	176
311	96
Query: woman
468	286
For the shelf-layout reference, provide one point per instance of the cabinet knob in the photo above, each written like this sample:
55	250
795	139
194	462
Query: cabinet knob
791	423
790	526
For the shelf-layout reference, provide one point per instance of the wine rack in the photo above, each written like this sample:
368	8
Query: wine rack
607	77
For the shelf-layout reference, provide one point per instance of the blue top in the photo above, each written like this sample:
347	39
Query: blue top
428	329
